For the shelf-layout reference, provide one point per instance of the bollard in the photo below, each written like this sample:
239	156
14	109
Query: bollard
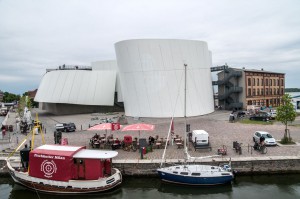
141	150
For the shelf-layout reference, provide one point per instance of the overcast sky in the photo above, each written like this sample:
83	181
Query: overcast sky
40	34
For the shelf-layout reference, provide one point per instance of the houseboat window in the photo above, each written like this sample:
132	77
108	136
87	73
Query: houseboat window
177	167
195	174
184	173
212	167
175	172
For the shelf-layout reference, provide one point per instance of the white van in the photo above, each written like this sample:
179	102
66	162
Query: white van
200	138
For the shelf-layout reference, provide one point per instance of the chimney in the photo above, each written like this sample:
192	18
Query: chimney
262	69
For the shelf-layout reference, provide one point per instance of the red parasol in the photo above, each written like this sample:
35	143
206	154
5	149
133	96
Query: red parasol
105	126
99	127
139	127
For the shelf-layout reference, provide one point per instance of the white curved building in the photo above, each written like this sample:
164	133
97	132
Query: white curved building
77	91
152	77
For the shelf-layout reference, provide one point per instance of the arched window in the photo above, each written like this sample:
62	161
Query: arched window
262	82
257	82
249	81
254	92
249	91
281	82
258	91
267	91
270	91
270	82
253	81
267	82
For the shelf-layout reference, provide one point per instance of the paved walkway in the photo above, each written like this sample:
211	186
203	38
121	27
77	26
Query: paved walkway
221	132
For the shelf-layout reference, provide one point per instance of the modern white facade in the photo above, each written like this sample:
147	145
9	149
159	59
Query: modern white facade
110	65
152	77
81	87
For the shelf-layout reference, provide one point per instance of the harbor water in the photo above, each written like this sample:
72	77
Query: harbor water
245	187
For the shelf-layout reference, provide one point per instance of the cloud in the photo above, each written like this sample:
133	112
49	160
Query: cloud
36	35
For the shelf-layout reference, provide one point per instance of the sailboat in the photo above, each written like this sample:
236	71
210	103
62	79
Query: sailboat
194	174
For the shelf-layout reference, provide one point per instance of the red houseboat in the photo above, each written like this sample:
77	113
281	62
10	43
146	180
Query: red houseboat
63	169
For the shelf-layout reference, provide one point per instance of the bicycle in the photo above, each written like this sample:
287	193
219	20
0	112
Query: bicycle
262	148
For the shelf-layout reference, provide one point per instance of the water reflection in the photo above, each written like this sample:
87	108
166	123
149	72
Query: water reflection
188	190
275	186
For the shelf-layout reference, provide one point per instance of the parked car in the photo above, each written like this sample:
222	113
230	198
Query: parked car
66	127
261	116
269	139
273	114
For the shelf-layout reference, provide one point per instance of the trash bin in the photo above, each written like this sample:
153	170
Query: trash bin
144	150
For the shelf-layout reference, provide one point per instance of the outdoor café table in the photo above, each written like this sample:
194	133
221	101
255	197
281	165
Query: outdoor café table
158	144
110	140
179	145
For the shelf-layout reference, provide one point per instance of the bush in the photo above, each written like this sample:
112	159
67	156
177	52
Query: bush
287	140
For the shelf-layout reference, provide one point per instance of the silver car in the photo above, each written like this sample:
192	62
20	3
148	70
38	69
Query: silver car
269	140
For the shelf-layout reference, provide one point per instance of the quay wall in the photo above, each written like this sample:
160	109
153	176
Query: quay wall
243	166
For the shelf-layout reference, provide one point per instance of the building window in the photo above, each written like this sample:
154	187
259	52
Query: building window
267	91
281	82
254	92
262	91
277	82
282	91
253	81
274	82
257	82
270	82
270	91
258	91
267	82
249	81
277	91
262	82
249	91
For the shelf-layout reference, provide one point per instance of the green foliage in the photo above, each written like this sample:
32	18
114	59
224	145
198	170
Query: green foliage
34	103
10	97
247	121
287	140
292	90
286	113
22	104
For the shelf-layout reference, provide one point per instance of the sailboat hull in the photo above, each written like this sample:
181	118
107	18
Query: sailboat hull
182	175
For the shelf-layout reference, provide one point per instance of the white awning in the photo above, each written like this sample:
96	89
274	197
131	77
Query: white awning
95	154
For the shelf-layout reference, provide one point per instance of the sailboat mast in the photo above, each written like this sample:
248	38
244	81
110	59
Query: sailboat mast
185	141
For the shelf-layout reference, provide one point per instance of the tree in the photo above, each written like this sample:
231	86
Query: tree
286	113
